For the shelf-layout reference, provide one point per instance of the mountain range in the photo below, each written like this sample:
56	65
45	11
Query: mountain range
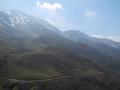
31	48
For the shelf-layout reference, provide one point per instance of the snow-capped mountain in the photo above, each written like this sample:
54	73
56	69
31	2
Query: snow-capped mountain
37	31
20	21
26	23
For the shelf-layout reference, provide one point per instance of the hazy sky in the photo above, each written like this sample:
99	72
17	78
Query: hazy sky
100	18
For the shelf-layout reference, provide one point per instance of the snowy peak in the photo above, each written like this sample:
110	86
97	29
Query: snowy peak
25	23
20	19
17	17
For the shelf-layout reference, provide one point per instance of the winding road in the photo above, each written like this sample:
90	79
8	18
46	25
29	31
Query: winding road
10	83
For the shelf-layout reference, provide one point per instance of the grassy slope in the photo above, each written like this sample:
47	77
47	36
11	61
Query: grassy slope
39	61
45	56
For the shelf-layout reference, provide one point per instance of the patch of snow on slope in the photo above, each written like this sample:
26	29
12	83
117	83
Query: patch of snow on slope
12	21
21	19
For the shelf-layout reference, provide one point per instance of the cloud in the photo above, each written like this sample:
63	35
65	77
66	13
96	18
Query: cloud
50	6
114	38
51	13
90	13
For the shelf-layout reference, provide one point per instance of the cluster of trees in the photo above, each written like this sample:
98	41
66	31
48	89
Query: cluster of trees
4	66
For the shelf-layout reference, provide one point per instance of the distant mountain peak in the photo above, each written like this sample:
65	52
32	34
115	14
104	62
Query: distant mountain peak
26	23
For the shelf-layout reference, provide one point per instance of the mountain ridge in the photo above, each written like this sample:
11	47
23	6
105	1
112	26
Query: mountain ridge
35	50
